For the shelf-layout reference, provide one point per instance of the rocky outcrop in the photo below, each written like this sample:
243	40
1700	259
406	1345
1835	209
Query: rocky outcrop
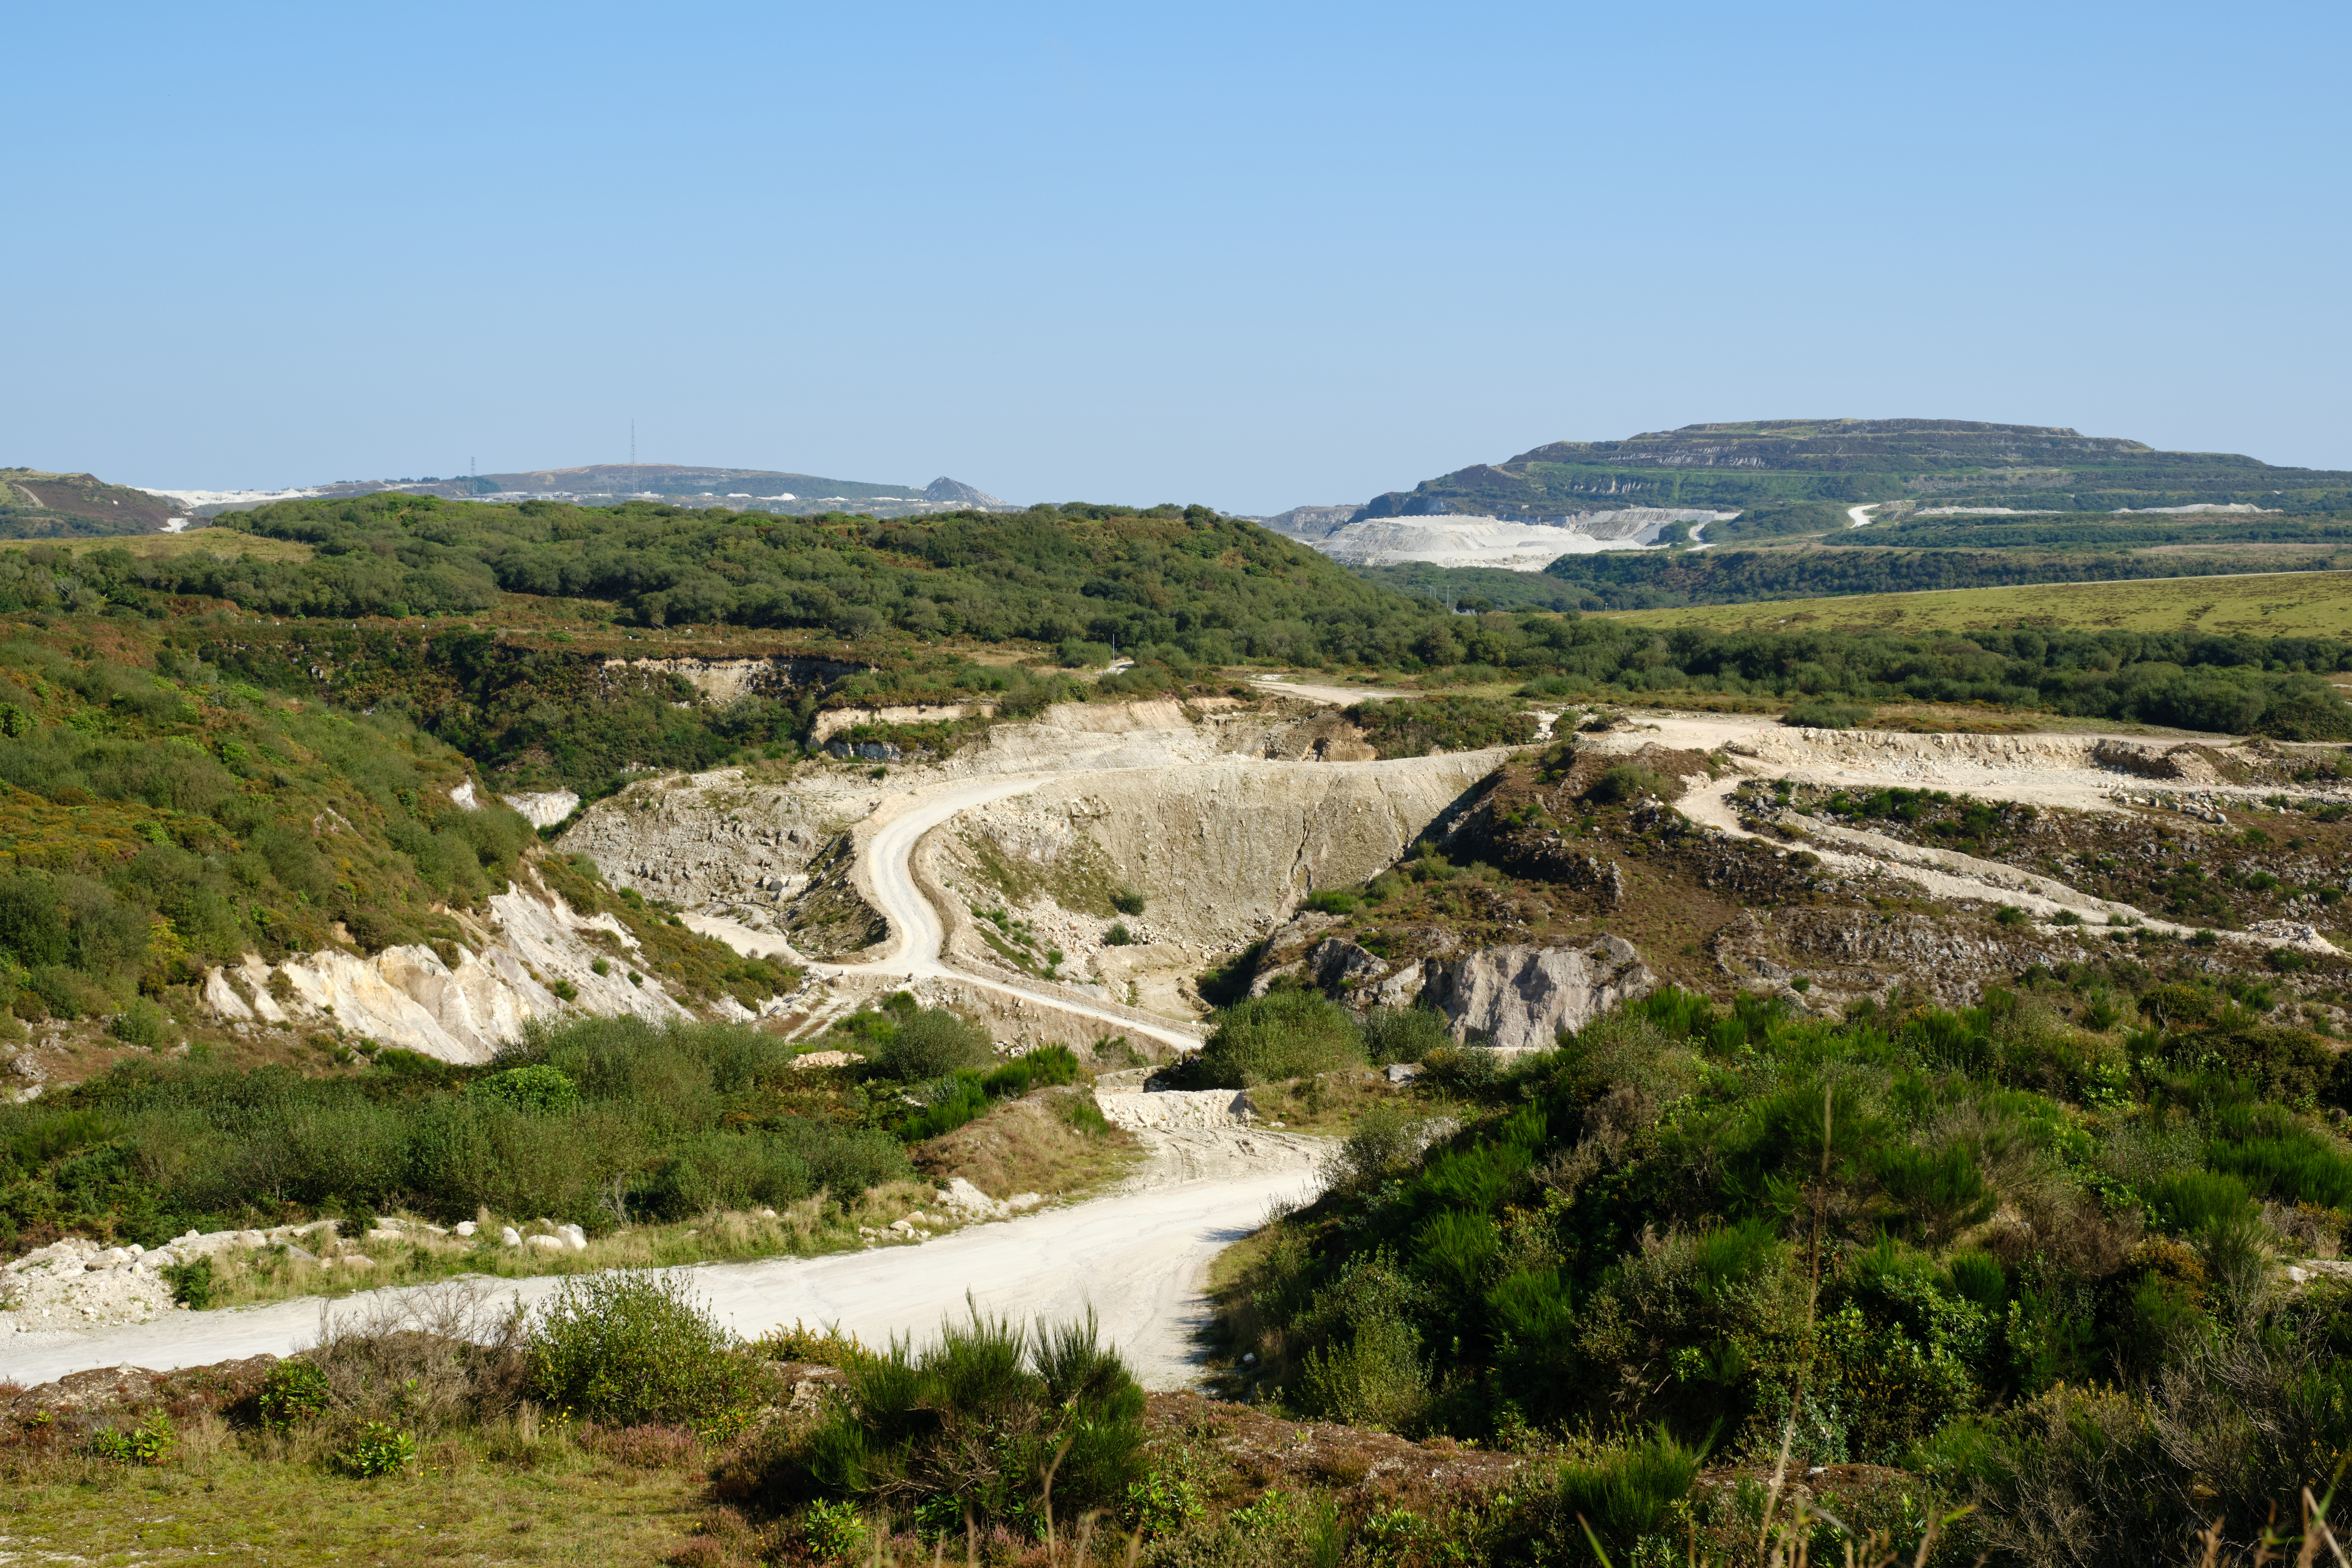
544	808
1522	996
726	680
1327	737
831	723
461	1007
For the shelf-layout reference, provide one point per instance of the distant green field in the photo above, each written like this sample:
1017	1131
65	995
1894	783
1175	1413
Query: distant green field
2295	604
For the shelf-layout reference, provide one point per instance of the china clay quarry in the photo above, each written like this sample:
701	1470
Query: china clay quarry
1128	851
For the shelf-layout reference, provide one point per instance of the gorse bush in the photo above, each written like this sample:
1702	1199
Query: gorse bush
1403	1033
1281	1035
980	1418
629	1347
1630	1492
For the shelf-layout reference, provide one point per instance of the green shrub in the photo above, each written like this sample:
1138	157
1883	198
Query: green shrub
629	1347
1118	935
1828	716
1403	1033
1331	902
832	1529
1629	1493
1128	901
2189	1201
1376	1378
976	1419
148	1443
292	1392
140	1023
1385	1141
1281	1035
930	1042
538	1088
378	1450
193	1283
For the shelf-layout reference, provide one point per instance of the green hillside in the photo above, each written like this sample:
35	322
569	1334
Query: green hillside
1931	462
680	479
35	504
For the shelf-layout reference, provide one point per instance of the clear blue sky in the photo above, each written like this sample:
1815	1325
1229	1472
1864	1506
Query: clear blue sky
1250	255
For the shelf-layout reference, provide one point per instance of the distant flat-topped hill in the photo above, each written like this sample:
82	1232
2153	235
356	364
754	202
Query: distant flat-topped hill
1934	463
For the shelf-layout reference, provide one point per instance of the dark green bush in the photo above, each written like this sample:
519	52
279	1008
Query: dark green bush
1629	1493
1403	1033
1828	716
193	1283
538	1088
1128	901
977	1418
928	1044
1281	1035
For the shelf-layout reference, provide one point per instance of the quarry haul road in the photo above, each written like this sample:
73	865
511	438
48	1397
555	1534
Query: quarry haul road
1139	1261
916	931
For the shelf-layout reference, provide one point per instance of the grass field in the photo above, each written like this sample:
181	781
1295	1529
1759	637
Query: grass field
496	1496
2298	604
223	542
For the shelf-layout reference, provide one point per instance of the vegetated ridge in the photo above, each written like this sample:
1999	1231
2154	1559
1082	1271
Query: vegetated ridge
1936	462
38	505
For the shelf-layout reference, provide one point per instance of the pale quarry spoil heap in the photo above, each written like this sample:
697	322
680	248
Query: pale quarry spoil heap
733	842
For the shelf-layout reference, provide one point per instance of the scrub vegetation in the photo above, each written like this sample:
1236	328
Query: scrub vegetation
2032	1266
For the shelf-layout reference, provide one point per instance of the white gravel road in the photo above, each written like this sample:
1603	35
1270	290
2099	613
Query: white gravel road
916	931
1138	1260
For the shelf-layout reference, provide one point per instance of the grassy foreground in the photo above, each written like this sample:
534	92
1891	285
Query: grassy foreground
2297	603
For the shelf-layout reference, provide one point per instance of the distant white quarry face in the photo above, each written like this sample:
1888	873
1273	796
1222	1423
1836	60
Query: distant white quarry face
1463	541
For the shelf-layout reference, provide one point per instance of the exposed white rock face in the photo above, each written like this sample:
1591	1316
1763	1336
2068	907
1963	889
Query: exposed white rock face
1460	539
544	808
1521	996
463	797
407	997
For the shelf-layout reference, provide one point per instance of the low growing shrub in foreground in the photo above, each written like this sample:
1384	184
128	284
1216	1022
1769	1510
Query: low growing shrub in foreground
990	1418
631	1347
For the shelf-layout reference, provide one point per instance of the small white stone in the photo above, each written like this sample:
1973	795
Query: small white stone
467	1227
510	1235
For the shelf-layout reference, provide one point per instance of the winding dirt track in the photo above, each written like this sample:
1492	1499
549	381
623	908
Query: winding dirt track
917	933
1138	1261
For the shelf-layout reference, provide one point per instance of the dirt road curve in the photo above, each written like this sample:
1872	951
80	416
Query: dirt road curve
1138	1261
915	933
